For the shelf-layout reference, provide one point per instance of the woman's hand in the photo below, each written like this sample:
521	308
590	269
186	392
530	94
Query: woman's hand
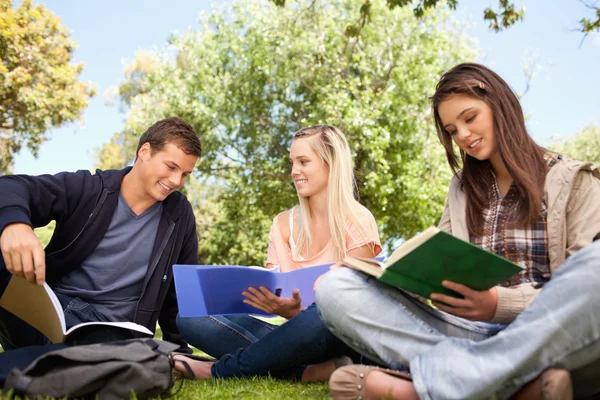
266	301
476	305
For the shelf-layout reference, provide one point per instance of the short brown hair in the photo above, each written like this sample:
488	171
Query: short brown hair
171	130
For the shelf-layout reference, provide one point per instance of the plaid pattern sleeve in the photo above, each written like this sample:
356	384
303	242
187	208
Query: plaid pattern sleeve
527	247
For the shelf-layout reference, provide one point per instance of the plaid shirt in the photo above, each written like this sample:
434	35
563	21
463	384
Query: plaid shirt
525	246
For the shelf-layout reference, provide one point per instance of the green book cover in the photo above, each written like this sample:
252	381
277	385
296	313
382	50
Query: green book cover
421	264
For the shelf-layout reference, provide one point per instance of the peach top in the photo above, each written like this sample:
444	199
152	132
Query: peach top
281	254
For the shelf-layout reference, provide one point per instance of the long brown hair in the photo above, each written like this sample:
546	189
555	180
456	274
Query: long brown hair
523	158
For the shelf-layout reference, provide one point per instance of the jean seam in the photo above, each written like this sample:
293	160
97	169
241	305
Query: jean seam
354	344
82	304
418	381
263	323
235	331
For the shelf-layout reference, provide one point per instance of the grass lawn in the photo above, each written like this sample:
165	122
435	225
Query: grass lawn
254	388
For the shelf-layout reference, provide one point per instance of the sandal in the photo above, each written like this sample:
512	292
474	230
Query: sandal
349	382
193	356
188	370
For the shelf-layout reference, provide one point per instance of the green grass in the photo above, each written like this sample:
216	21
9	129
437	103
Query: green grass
265	388
255	388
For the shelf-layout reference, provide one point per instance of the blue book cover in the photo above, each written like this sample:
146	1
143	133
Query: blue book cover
217	290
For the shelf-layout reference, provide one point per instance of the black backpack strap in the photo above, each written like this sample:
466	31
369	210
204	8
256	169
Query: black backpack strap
152	344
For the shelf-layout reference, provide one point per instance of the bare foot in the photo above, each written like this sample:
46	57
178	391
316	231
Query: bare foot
380	385
201	369
318	372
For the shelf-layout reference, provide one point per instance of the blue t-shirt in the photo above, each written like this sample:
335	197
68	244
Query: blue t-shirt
112	277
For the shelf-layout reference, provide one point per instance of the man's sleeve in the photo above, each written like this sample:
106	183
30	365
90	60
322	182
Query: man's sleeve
37	200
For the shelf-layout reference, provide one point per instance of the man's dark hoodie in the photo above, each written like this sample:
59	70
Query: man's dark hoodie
82	205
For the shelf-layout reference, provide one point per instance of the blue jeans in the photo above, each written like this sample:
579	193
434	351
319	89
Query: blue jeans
220	335
452	358
280	351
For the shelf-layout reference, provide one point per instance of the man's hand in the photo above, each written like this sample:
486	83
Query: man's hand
264	300
476	306
23	252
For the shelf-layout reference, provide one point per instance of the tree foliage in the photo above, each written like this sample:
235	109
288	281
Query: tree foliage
592	23
253	74
582	146
506	15
120	150
39	88
45	233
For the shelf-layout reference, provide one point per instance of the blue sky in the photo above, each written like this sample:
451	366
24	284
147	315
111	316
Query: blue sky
562	99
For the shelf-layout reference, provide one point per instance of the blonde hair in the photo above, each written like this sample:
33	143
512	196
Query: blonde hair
330	144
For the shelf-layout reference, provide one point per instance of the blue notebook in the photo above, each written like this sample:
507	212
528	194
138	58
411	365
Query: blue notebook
217	290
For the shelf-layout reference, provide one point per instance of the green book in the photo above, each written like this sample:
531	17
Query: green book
421	264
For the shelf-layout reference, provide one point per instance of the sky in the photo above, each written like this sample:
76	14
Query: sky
563	96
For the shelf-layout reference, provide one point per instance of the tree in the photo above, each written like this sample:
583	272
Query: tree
592	24
120	151
254	74
39	88
505	16
582	146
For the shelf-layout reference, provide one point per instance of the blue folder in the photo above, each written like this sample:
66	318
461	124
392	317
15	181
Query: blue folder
217	290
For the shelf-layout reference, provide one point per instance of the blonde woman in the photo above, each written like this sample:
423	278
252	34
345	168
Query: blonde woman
328	224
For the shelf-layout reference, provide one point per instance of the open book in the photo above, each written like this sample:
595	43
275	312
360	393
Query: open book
39	307
217	290
421	264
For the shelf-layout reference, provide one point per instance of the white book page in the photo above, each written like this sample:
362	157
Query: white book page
57	306
125	325
274	268
411	244
367	265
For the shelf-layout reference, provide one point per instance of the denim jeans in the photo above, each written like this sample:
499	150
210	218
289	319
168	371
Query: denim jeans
280	351
220	335
452	358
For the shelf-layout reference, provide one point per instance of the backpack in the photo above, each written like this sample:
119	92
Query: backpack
109	371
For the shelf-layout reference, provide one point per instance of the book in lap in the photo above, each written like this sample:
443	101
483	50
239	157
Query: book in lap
421	264
204	290
39	307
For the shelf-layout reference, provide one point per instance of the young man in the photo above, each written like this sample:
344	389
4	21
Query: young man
118	233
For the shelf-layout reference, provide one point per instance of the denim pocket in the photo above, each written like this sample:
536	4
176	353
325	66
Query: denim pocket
77	304
79	311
